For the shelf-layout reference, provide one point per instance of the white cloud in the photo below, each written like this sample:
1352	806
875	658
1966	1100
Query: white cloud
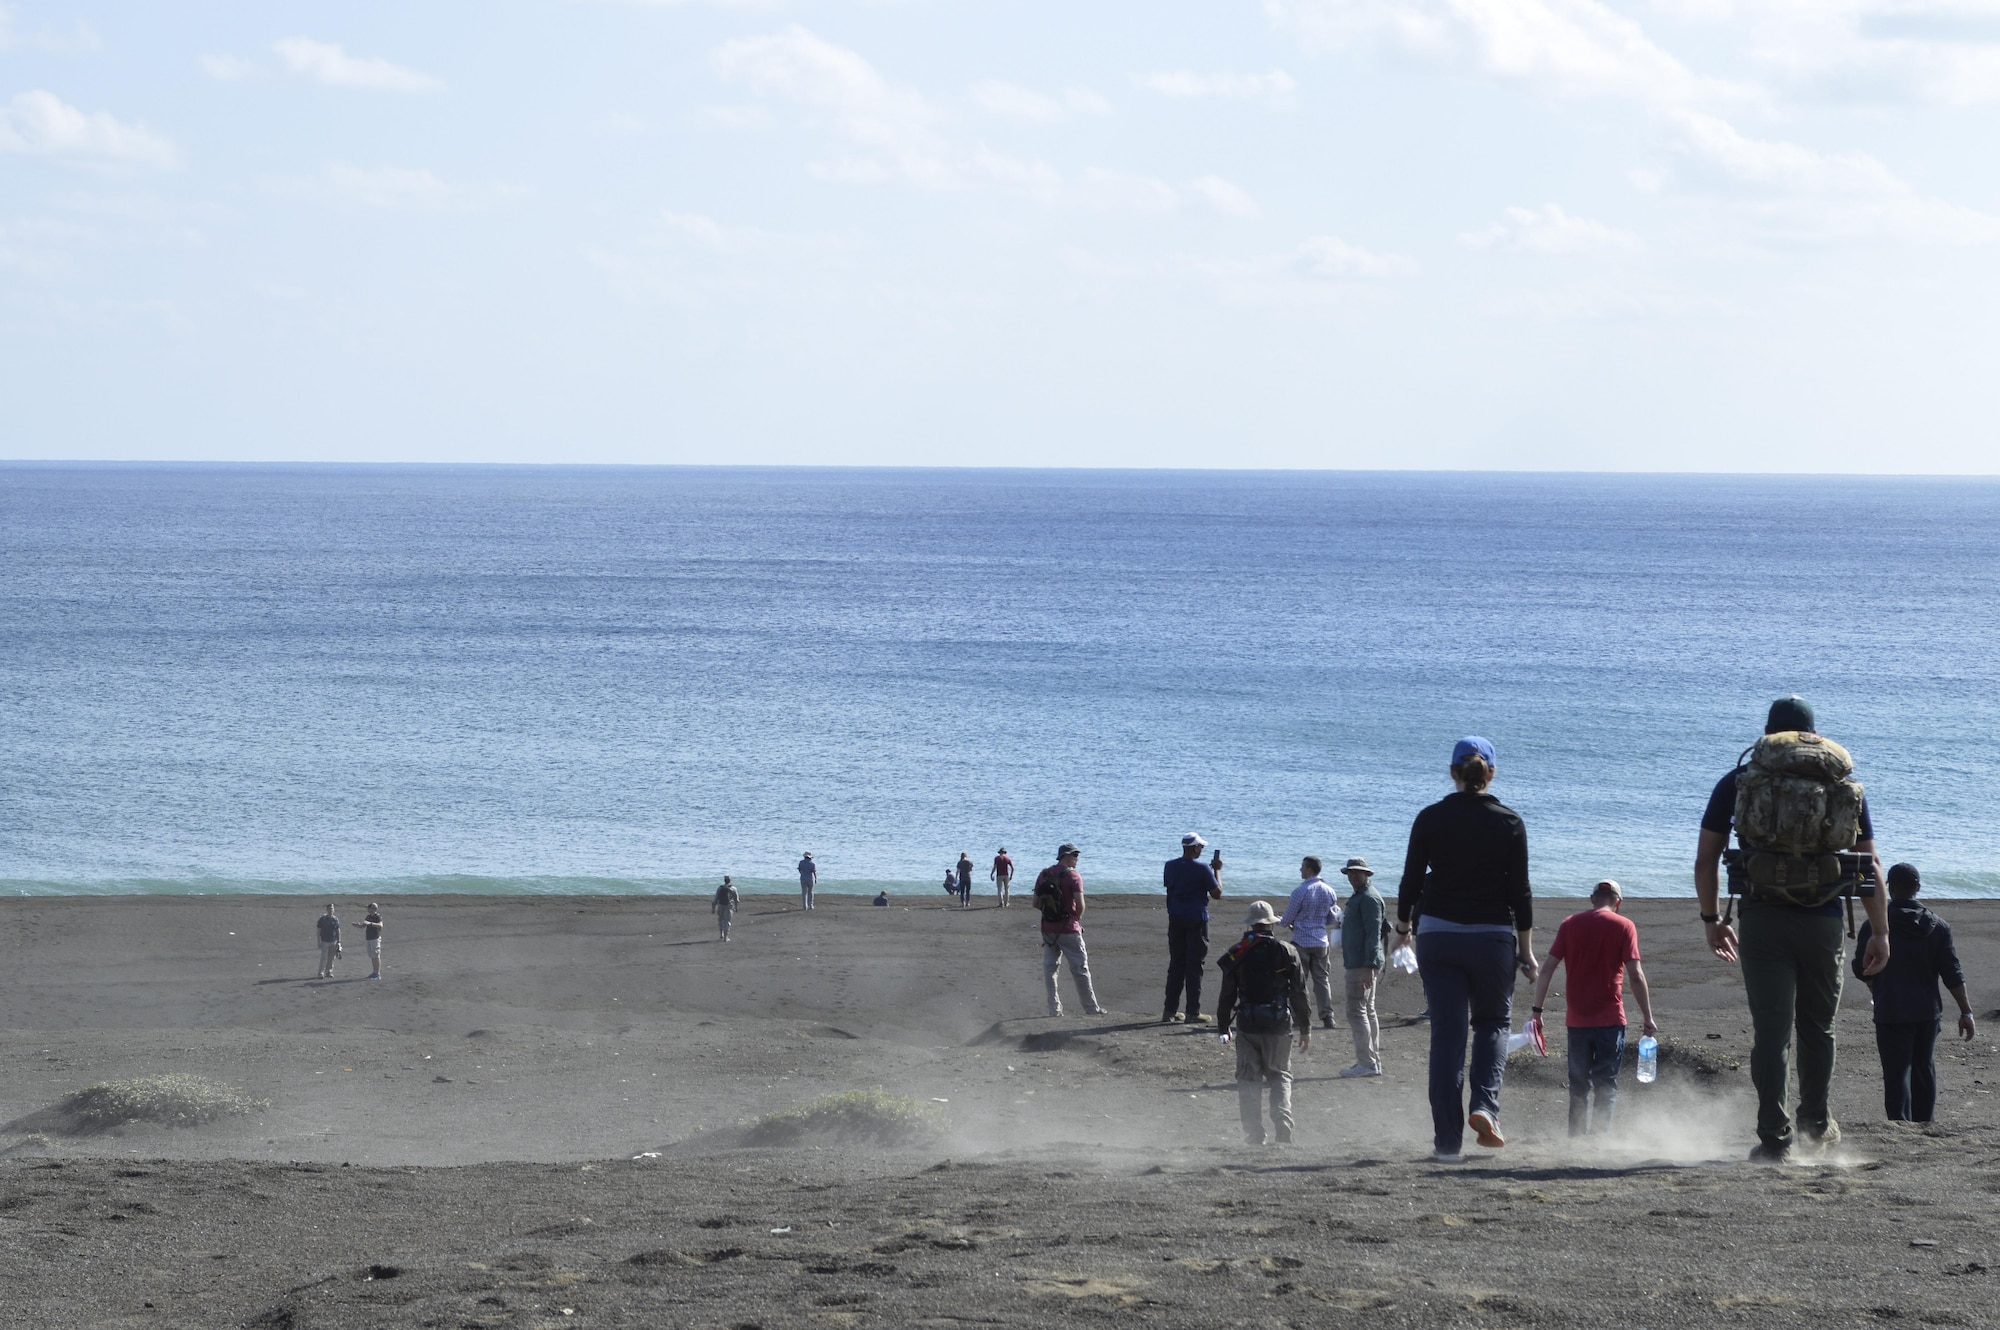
328	63
229	69
1276	89
1791	193
40	124
388	189
1330	256
1224	196
1550	229
81	42
1010	101
1568	48
883	132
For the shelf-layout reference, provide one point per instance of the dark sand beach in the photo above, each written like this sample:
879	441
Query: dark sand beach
539	1118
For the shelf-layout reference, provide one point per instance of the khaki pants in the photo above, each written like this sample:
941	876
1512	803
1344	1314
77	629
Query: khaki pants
1055	948
326	959
1321	979
1362	1020
1264	1060
1791	976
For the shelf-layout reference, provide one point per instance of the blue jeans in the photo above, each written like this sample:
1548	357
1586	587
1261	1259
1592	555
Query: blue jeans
1595	1054
1468	982
1909	1068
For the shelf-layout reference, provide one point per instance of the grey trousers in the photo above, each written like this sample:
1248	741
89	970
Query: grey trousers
1321	979
326	957
722	921
1264	1060
1361	1017
1055	947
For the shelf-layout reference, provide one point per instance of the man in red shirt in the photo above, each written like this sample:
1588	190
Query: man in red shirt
1003	875
1059	894
1600	946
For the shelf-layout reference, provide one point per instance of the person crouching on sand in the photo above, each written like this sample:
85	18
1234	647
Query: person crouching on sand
1466	877
329	941
723	907
371	932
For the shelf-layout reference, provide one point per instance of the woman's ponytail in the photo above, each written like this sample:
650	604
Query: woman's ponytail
1473	773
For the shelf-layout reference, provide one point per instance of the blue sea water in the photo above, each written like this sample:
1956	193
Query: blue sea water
218	678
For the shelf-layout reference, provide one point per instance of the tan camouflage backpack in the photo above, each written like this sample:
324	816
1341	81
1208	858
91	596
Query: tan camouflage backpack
1798	807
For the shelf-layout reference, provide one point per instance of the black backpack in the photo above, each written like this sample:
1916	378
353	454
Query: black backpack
1263	970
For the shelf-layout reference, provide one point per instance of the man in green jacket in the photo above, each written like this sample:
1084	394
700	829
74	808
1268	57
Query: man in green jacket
1363	951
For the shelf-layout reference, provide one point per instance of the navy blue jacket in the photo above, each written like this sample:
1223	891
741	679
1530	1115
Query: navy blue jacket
1920	957
1190	883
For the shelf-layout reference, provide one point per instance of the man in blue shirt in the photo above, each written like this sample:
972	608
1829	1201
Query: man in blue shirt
1191	885
1311	913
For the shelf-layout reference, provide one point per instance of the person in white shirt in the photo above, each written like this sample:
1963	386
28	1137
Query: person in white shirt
1313	915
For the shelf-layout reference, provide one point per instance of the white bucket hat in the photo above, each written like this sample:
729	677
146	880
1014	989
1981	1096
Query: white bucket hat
1260	913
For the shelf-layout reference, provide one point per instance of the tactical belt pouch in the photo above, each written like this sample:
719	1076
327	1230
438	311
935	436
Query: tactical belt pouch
1263	1017
1768	877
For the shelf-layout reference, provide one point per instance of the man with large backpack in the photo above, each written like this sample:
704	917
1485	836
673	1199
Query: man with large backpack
1804	840
1059	896
1264	992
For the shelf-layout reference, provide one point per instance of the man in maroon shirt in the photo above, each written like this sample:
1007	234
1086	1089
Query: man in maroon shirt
1003	875
1059	894
1600	947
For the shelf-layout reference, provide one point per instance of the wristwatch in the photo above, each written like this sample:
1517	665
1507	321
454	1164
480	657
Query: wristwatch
1711	918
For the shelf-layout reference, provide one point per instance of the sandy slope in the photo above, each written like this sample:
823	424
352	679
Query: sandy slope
1093	1165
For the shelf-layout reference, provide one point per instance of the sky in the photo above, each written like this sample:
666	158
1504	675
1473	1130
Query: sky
1653	235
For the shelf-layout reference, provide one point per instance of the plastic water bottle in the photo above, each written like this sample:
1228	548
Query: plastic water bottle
1404	959
1649	1060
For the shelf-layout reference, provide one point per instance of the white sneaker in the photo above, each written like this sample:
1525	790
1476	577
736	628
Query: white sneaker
1440	1157
1358	1071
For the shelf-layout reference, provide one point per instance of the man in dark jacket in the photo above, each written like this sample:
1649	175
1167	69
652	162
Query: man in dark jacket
1264	990
1190	885
1908	1014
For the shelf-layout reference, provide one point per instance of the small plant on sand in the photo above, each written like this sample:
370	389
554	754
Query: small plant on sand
176	1099
858	1117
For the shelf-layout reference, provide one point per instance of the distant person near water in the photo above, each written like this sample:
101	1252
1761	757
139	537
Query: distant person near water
808	879
1364	947
1190	886
964	880
1466	878
1908	1014
1002	875
1264	996
1059	895
1312	913
1600	947
371	933
723	907
329	941
881	898
1804	838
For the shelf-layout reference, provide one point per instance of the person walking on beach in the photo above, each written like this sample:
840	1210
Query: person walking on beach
1311	913
329	941
1908	1014
1466	877
723	907
808	879
1600	946
1264	997
1363	952
1002	875
1790	948
1190	885
964	880
1059	895
371	934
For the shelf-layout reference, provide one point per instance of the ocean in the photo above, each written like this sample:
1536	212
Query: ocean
379	679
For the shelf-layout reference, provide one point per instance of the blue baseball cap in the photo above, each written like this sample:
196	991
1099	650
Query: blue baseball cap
1470	745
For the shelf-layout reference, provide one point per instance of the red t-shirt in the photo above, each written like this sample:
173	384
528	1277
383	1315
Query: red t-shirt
1002	866
1595	945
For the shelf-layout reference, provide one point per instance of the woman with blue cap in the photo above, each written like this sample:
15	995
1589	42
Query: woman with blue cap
1465	905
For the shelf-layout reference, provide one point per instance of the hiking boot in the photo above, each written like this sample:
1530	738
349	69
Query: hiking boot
1486	1129
1825	1138
1196	1018
1766	1153
1326	1023
1169	1016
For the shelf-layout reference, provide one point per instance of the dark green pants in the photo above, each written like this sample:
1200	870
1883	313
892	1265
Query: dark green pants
1791	974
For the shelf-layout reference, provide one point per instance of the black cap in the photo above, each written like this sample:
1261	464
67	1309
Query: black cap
1904	876
1789	713
1066	848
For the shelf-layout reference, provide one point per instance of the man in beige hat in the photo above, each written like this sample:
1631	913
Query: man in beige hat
1264	992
